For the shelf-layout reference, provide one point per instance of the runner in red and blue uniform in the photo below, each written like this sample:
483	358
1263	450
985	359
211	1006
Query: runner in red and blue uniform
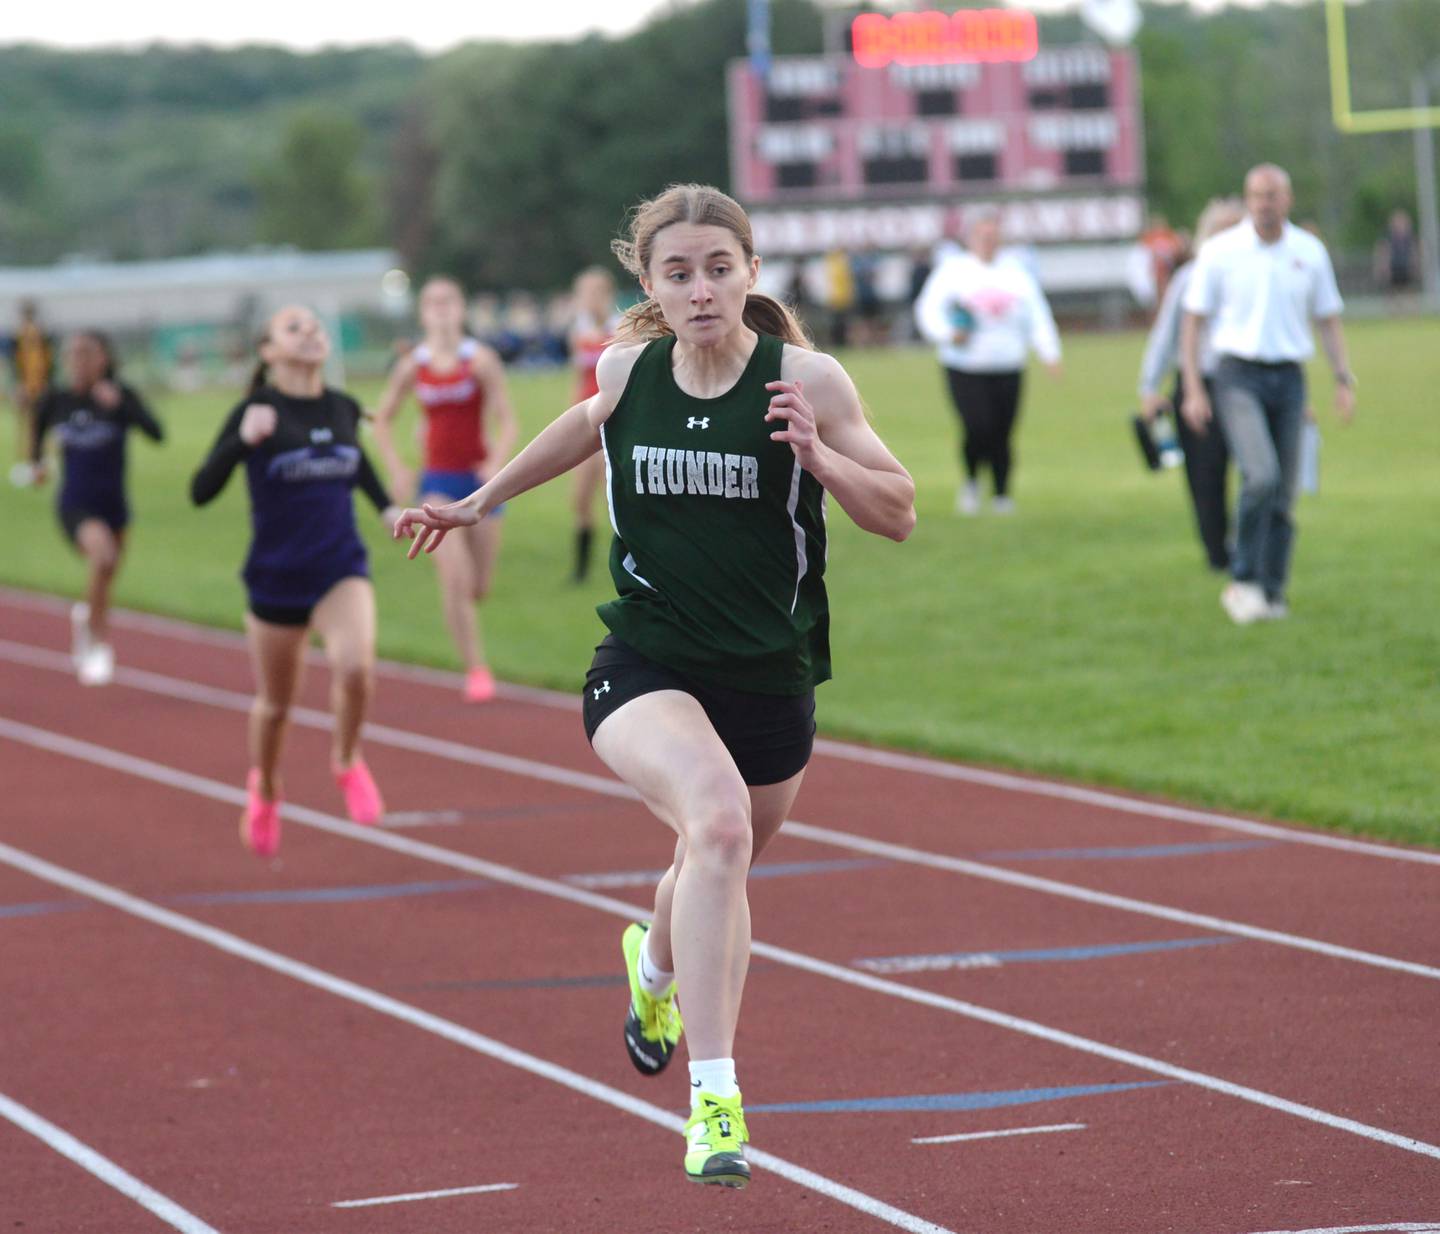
93	414
592	330
469	432
307	567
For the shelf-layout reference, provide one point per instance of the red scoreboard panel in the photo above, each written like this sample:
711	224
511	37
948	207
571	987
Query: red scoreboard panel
825	132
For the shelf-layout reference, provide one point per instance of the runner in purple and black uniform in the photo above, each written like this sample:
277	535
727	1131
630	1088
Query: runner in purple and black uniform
93	414
307	568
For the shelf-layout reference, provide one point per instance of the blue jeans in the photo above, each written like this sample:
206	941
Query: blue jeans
1261	410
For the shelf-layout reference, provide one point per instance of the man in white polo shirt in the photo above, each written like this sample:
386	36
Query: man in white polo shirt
1259	285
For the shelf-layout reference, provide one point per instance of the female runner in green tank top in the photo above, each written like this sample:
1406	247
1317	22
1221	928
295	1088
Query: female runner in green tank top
722	433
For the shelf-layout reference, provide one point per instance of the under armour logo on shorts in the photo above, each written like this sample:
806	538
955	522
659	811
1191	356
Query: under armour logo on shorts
698	422
604	689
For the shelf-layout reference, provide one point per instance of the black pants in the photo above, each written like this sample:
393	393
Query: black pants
1207	466
988	405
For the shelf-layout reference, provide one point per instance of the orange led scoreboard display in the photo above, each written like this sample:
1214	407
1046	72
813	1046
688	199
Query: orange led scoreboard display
938	38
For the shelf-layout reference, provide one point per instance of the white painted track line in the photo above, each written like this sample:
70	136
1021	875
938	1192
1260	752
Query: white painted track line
913	763
383	1004
128	764
997	1135
425	1195
102	1168
1399	1227
475	756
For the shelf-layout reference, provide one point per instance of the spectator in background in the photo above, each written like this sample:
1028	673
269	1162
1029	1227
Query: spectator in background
1257	287
869	310
1206	458
1397	254
839	295
984	313
33	359
1166	249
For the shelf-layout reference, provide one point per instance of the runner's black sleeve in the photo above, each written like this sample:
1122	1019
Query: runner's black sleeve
40	421
371	484
225	455
138	414
366	479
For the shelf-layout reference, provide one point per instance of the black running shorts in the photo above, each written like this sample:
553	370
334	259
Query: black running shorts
770	736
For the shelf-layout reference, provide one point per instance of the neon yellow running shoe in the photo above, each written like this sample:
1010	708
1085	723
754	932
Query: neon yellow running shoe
652	1025
715	1137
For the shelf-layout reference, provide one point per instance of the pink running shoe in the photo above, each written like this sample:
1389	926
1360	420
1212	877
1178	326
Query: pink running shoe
479	685
260	824
363	802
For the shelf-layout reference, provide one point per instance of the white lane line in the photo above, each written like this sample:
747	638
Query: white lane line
308	717
1104	899
319	979
916	764
128	764
424	1195
102	1168
996	1135
894	760
1412	1227
474	756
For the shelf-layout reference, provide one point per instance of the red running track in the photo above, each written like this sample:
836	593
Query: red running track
1236	1027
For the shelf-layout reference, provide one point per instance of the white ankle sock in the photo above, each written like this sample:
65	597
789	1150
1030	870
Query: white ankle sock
715	1076
653	979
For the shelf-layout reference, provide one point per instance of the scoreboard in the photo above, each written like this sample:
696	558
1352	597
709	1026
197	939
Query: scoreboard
876	151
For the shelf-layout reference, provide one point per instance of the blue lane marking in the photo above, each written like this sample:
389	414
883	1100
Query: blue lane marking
774	869
997	959
950	1101
1136	852
331	895
40	907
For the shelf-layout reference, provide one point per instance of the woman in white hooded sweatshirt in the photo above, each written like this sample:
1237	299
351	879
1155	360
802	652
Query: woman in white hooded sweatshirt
984	313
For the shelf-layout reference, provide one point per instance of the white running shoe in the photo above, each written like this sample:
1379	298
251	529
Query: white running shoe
967	500
1276	610
97	667
1003	505
79	632
1244	603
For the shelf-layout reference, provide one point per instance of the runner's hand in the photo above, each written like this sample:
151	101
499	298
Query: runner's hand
788	403
107	394
257	423
426	527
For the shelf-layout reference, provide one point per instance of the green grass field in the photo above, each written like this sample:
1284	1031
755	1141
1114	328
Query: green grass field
1081	637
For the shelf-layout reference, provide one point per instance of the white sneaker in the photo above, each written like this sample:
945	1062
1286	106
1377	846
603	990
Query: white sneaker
97	666
1276	610
1244	603
967	500
1003	505
79	632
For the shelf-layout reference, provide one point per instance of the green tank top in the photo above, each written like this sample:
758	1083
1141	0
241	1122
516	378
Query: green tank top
719	551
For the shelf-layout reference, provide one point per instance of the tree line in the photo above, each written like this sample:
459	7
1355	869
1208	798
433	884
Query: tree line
513	165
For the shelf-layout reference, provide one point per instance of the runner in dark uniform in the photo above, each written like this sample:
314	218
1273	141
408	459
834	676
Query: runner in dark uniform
307	567
93	415
722	433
